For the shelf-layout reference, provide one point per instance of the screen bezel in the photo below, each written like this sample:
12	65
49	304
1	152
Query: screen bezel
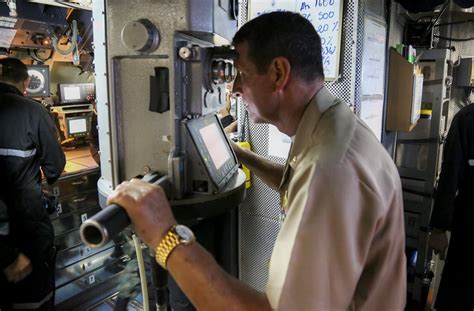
88	125
220	176
83	92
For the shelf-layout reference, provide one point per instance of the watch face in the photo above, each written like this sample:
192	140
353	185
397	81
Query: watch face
185	233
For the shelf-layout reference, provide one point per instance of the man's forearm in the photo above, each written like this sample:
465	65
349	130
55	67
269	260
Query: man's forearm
269	172
208	286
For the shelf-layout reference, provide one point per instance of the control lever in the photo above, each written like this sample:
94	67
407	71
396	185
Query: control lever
109	222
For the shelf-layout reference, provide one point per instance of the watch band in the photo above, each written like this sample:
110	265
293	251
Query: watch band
166	246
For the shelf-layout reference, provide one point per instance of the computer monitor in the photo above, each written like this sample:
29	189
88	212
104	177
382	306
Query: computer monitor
76	92
214	148
78	126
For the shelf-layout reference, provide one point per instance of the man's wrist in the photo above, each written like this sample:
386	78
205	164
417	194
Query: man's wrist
175	236
159	237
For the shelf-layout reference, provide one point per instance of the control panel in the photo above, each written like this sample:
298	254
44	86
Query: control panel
76	93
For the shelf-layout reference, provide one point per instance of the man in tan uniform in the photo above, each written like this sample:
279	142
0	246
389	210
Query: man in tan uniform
341	245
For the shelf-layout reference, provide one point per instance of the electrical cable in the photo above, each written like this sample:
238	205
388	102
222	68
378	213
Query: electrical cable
428	30
35	52
72	5
34	55
454	39
455	23
73	48
73	45
142	272
66	4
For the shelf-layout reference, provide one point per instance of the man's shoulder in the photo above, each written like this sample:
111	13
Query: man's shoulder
468	109
346	142
22	103
332	137
467	112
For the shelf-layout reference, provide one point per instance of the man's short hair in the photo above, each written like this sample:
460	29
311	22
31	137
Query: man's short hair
284	34
13	70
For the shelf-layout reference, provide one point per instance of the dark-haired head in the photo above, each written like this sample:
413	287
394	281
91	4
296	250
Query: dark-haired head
284	34
12	70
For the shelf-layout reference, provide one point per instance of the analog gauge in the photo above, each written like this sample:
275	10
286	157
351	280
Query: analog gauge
36	81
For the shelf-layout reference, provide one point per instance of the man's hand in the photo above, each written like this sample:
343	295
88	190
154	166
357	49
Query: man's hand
147	207
225	111
19	269
439	242
231	128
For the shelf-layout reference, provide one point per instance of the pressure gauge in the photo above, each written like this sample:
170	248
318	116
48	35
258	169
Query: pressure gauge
39	81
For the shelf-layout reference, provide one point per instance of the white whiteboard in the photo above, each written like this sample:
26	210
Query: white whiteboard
325	15
373	75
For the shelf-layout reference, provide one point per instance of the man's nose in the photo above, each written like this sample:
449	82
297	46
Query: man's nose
237	87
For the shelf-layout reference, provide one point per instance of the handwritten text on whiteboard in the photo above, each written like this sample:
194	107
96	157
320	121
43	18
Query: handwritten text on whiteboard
325	17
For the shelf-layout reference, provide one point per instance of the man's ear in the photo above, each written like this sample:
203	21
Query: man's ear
281	72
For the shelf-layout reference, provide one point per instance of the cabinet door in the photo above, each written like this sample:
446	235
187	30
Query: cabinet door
76	203
73	221
74	184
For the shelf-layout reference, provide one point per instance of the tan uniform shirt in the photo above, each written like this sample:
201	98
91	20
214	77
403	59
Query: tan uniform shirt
342	243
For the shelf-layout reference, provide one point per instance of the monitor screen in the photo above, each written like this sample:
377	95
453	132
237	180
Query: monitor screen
214	148
215	145
71	93
78	126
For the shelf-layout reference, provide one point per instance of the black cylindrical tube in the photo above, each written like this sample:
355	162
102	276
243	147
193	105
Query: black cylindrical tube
104	226
109	222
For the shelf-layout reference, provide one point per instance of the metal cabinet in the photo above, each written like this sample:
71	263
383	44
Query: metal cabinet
78	267
418	158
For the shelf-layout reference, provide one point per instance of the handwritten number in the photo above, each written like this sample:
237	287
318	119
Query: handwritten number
326	15
328	50
323	3
322	28
326	61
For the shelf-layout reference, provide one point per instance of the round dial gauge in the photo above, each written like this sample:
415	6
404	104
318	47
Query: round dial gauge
36	81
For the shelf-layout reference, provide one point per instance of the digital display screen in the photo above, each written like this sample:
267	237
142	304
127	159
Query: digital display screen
77	126
215	145
213	148
76	92
71	93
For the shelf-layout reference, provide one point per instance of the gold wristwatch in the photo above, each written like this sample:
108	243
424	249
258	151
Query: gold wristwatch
176	235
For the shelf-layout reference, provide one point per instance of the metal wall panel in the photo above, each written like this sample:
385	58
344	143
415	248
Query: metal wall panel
135	139
258	237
